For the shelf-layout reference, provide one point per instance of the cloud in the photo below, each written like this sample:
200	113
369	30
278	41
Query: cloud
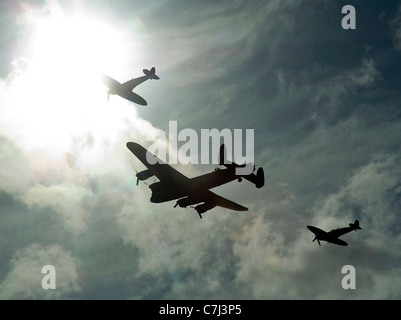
58	133
14	167
371	194
202	44
273	267
64	166
178	249
24	279
395	25
331	98
71	202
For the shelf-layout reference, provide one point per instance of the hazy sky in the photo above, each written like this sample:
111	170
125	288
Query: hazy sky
324	104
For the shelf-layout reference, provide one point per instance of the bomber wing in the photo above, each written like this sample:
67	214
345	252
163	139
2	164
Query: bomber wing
160	169
217	200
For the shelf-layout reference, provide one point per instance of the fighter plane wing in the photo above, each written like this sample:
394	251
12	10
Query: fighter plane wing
223	202
131	84
109	81
133	97
339	242
317	231
335	233
157	167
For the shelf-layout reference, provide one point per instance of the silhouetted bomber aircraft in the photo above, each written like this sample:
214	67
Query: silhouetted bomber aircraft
174	185
332	236
124	90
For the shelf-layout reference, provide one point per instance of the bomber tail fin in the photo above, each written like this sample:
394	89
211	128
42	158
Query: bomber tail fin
257	179
223	156
223	160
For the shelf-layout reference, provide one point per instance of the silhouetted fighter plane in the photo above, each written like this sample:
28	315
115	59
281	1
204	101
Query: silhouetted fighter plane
332	236
124	90
174	185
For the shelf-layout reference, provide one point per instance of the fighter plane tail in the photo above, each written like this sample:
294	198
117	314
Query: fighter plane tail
151	74
355	225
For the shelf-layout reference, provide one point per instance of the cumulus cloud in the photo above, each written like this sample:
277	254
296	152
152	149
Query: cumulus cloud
64	166
272	267
14	167
62	145
24	279
370	195
71	202
58	133
161	244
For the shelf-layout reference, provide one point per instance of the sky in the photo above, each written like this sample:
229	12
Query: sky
324	105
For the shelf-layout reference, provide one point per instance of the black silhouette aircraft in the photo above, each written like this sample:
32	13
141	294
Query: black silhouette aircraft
190	191
124	90
332	236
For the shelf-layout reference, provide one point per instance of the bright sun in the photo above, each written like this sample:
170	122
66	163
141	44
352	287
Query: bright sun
59	95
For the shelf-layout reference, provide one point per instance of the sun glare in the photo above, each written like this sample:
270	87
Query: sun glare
76	45
59	95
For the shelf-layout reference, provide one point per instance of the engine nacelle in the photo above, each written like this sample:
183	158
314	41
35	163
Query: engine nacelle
143	175
185	202
204	207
